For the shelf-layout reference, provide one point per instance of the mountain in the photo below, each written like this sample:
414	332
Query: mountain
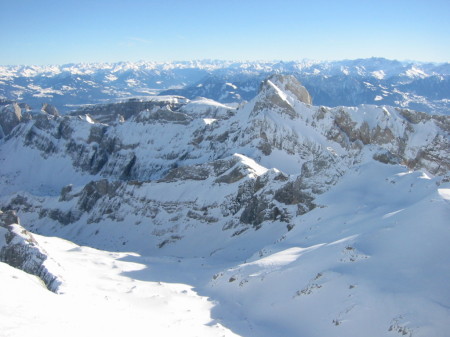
294	219
419	86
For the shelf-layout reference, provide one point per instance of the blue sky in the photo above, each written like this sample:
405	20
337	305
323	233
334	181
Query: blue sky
58	32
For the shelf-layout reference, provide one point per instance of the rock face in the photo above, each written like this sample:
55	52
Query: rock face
289	85
108	113
19	249
10	117
50	109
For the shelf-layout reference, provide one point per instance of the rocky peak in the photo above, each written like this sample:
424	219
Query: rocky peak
288	85
49	109
10	117
280	93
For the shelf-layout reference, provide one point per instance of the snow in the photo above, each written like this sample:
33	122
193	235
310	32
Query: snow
100	298
132	82
89	119
21	174
282	161
111	77
379	74
415	72
209	121
353	267
369	259
279	92
423	134
444	193
282	258
203	105
372	258
257	169
225	75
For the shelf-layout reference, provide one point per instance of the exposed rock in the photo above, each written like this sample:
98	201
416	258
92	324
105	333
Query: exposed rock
95	190
10	117
165	144
386	157
50	109
290	85
204	171
164	115
197	172
65	129
259	209
23	252
292	194
97	134
64	218
273	99
201	217
256	212
114	112
8	218
435	157
235	175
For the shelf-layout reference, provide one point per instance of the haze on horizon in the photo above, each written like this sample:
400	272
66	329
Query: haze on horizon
54	32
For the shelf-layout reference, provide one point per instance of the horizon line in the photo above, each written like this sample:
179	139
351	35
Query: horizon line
209	60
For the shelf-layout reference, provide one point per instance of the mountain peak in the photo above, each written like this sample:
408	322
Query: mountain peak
287	84
280	93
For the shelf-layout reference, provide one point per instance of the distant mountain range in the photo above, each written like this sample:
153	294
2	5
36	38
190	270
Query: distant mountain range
419	86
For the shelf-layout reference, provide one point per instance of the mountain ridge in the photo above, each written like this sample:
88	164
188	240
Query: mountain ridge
165	143
334	219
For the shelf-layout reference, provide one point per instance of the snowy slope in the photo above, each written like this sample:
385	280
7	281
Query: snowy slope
355	267
98	299
293	219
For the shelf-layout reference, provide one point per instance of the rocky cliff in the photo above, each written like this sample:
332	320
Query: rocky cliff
173	167
19	249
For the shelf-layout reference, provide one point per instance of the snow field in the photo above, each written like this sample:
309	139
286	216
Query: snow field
98	299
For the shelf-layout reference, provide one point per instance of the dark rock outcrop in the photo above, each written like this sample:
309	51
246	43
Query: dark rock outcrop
95	190
50	109
10	117
20	250
110	113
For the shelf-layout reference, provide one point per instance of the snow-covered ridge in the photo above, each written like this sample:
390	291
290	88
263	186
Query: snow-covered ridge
166	140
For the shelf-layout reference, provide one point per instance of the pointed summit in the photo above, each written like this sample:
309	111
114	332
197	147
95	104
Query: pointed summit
10	117
280	93
288	85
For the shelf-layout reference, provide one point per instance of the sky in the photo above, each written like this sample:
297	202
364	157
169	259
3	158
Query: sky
43	32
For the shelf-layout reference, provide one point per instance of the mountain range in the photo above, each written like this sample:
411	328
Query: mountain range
293	219
419	86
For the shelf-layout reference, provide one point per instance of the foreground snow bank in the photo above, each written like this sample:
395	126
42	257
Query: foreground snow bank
96	300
